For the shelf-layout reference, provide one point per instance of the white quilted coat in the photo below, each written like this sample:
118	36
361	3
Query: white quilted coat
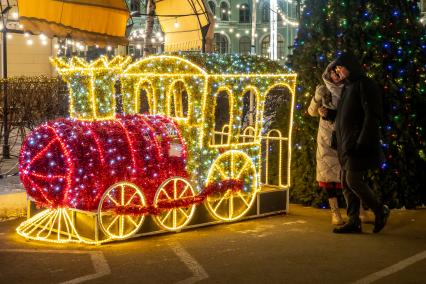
328	167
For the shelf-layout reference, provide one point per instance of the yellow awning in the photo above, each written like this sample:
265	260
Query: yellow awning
184	22
100	22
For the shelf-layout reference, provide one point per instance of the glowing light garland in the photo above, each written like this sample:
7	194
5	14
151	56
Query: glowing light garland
91	85
127	166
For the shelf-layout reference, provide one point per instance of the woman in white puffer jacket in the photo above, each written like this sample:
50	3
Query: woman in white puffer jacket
324	104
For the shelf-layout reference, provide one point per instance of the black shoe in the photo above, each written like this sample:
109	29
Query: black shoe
348	228
381	219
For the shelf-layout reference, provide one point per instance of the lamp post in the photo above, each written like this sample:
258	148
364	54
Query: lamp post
273	38
253	28
6	148
253	52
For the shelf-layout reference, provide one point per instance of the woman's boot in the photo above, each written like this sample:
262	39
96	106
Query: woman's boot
336	218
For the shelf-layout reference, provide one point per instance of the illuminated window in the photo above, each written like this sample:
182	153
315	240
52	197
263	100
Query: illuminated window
220	43
244	13
266	44
135	5
224	11
245	44
265	12
212	6
281	9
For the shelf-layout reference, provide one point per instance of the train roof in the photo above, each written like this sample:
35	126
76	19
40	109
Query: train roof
207	64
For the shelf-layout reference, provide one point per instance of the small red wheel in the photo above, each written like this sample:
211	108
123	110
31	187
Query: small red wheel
172	190
120	195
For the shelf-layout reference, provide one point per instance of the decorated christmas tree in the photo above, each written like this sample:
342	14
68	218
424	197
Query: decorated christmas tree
390	42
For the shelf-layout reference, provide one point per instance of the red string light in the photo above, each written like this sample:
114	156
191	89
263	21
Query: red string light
71	163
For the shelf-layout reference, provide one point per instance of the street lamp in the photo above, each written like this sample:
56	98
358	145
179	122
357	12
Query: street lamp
4	15
273	38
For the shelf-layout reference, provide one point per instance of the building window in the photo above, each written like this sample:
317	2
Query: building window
281	10
220	43
265	12
212	6
266	44
135	5
244	13
245	45
224	11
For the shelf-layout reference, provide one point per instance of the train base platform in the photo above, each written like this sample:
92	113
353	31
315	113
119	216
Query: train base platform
73	225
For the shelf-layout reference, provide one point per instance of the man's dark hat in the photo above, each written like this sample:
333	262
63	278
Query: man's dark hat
348	60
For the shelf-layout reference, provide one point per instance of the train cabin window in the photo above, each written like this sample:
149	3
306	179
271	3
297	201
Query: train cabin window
144	103
179	101
248	117
249	109
221	133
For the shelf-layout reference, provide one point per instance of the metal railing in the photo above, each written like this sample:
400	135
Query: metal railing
274	163
30	102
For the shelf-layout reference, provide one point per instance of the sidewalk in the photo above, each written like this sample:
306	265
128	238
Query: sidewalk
13	198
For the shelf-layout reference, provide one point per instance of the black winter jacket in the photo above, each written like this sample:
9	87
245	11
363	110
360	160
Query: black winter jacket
357	123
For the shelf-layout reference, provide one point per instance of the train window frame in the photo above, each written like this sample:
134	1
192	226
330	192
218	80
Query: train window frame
173	109
147	85
225	129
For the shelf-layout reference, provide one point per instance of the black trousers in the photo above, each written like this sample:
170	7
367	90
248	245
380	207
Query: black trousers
355	190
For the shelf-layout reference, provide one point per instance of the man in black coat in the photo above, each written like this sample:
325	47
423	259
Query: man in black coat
358	142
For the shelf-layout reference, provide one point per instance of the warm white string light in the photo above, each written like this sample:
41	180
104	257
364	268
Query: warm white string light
287	21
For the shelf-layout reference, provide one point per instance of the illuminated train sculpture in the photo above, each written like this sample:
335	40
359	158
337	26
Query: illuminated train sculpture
120	168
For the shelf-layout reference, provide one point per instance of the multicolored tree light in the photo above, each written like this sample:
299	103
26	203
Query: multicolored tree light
390	42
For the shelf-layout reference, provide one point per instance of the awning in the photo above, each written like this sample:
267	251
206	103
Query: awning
184	23
101	22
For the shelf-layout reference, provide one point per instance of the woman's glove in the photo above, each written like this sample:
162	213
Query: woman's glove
320	91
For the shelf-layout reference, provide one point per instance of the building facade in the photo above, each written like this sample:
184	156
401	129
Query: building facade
234	26
27	55
422	4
